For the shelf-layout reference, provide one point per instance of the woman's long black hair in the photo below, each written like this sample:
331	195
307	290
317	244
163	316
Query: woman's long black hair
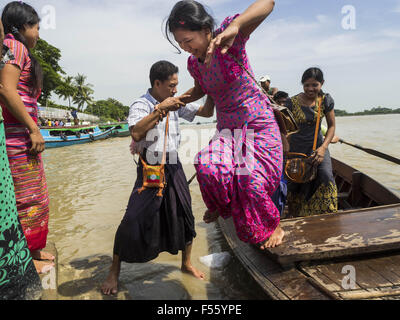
189	15
16	15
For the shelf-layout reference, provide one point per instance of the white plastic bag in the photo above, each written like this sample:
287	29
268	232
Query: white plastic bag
216	260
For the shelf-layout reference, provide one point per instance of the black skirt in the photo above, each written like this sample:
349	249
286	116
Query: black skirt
153	224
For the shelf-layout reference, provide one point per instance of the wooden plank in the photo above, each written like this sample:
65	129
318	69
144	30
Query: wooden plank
386	268
322	279
366	277
370	293
278	283
339	235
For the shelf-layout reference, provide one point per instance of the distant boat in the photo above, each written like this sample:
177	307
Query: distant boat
56	137
120	129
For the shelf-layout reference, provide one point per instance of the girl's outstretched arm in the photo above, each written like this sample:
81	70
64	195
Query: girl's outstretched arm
246	23
193	94
254	15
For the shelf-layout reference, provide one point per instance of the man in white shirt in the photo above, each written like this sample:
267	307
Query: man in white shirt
154	224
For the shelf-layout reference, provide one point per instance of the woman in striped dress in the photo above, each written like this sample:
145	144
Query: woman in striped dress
18	277
22	80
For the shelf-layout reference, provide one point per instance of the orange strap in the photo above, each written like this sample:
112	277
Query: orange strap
164	158
319	103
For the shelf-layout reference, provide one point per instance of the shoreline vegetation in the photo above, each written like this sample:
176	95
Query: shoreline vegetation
79	94
373	111
73	89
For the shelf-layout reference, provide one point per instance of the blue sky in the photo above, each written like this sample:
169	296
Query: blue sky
115	43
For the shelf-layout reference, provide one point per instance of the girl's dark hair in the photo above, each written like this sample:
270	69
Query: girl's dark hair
189	15
161	71
16	15
313	73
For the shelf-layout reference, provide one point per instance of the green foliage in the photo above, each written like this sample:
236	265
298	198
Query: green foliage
377	111
83	92
110	109
48	57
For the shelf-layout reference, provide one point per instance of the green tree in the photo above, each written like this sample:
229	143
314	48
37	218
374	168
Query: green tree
48	56
66	90
83	92
110	109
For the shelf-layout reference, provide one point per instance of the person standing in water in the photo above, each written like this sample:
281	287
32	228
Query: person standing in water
153	224
21	78
216	62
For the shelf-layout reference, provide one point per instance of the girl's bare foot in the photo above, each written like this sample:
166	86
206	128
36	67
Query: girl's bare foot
43	267
193	271
42	255
275	239
110	286
210	216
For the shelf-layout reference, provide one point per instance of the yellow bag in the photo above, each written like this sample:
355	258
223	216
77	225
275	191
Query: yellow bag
154	175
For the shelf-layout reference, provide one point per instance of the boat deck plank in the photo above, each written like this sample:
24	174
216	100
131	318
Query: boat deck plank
339	235
277	282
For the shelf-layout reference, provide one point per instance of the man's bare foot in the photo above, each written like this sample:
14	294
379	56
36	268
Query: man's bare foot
193	271
43	267
42	255
275	239
110	286
210	216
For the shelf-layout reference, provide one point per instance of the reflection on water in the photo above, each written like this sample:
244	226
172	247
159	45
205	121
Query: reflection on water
89	188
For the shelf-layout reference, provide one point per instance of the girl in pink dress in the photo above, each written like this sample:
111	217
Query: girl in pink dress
240	169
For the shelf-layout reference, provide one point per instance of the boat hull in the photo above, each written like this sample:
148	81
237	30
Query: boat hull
307	266
69	140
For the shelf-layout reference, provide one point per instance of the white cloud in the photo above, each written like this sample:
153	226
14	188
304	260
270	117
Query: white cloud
322	18
391	33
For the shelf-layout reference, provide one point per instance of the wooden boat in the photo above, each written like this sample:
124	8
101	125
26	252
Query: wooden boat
56	137
354	254
120	129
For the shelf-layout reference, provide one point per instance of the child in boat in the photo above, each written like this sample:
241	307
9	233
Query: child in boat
228	191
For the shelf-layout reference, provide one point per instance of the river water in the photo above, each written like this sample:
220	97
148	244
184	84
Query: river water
89	187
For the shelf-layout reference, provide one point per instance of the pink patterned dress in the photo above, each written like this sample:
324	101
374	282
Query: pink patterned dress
240	169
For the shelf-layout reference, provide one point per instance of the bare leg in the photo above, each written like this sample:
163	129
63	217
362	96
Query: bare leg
42	255
275	239
187	266
110	286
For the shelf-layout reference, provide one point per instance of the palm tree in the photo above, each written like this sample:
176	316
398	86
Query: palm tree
83	92
67	90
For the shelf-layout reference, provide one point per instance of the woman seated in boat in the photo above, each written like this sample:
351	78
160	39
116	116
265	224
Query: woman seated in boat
320	195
